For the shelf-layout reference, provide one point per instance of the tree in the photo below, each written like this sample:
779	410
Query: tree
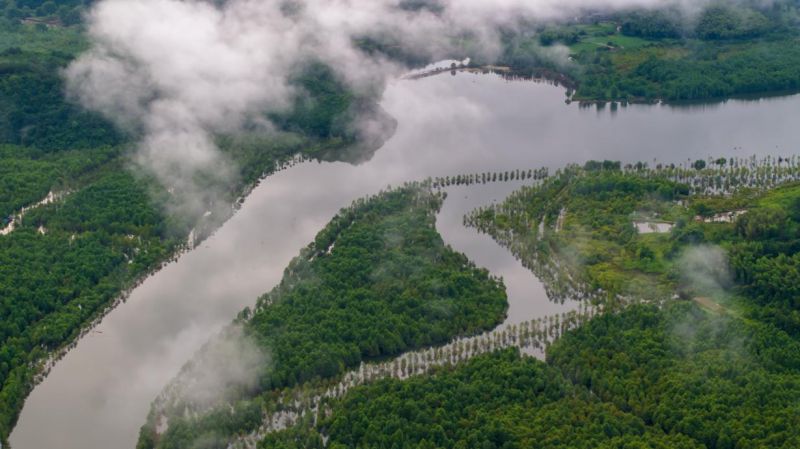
48	8
70	16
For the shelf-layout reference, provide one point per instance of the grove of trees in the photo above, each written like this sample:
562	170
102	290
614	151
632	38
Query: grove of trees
65	262
377	281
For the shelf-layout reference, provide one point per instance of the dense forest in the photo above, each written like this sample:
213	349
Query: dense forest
492	401
35	112
726	49
724	381
676	377
377	281
674	52
64	264
718	372
594	216
79	227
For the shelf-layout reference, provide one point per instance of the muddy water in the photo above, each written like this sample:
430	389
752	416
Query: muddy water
99	394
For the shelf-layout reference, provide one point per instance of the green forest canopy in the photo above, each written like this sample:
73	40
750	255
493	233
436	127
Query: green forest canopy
676	375
50	144
643	378
741	48
111	228
377	281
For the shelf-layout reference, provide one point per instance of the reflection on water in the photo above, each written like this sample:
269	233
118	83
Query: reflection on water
99	394
527	298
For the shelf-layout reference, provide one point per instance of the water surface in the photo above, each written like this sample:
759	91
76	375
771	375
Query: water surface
97	397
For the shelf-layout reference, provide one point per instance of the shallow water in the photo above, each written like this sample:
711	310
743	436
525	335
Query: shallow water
97	397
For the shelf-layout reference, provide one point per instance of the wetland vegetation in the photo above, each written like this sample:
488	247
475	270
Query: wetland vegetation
739	49
81	228
376	282
640	365
65	263
657	371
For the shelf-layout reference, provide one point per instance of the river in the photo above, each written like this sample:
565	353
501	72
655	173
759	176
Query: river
98	395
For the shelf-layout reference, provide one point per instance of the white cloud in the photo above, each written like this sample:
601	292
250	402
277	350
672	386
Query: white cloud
178	72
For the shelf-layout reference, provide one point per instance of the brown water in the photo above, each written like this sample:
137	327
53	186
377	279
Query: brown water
97	397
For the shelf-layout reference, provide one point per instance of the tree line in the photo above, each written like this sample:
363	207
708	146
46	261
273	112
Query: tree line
376	282
66	263
688	377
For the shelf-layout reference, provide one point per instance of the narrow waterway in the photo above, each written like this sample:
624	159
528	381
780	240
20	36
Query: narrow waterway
97	396
527	302
527	299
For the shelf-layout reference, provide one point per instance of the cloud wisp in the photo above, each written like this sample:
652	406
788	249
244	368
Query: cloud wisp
177	73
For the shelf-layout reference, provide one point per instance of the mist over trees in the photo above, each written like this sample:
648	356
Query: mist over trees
377	281
717	372
64	262
107	227
675	53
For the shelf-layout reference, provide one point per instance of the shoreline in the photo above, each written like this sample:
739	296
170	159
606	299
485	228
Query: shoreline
561	79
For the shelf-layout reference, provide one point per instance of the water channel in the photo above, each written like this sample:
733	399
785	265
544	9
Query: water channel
98	396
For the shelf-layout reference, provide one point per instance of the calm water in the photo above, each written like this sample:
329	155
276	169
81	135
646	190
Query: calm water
97	397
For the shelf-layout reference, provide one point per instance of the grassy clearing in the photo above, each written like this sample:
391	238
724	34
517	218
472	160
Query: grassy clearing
28	38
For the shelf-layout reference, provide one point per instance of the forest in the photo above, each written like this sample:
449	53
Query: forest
492	401
65	263
79	227
723	381
590	213
652	373
377	281
595	212
746	208
673	53
728	49
46	12
674	377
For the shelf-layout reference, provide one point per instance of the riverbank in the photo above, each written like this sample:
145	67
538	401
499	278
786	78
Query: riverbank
469	124
135	253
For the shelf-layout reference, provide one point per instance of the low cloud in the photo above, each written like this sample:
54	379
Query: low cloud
176	73
225	369
704	270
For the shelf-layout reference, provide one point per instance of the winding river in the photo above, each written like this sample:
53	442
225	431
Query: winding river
97	396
